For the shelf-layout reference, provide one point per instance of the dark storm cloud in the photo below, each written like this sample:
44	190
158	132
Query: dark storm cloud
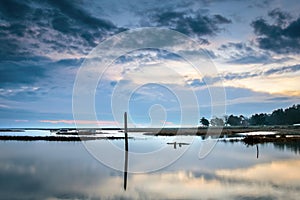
207	80
32	28
147	55
8	49
282	36
242	53
260	4
30	31
14	9
190	23
36	77
280	70
39	27
15	73
31	70
281	18
68	63
70	12
286	69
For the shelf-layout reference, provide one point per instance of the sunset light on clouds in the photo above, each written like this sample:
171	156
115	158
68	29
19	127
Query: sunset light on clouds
254	45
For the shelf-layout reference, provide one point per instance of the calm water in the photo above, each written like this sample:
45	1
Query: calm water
66	170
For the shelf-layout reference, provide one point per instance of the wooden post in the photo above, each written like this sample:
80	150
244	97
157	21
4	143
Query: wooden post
125	131
126	151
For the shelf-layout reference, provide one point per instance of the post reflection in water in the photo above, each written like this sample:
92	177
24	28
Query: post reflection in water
180	144
65	170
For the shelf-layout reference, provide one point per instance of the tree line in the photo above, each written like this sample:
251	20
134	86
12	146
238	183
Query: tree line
288	116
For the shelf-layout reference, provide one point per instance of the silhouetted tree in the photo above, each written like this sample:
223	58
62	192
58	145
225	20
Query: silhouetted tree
234	120
277	117
258	119
217	121
204	121
244	121
288	116
226	120
292	115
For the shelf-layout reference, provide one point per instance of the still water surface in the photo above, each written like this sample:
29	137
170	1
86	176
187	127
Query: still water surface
66	170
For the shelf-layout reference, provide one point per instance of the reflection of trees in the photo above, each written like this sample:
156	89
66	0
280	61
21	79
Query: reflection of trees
293	146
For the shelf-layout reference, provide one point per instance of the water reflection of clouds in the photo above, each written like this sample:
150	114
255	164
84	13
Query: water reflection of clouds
45	170
285	173
187	185
8	167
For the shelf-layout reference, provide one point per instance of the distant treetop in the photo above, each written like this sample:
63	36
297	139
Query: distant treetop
288	116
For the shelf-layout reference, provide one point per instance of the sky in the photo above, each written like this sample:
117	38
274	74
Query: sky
253	45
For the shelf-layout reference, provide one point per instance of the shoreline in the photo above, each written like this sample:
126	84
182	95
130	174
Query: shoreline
281	134
174	130
56	138
222	131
